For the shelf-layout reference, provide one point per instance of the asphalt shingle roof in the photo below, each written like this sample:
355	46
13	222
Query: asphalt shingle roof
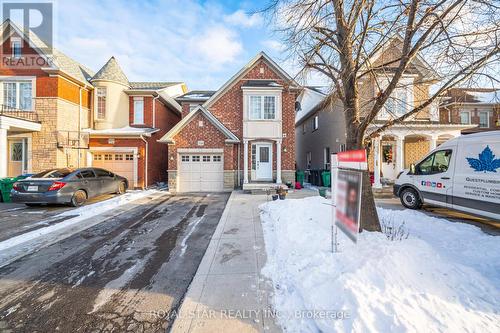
152	85
196	95
111	71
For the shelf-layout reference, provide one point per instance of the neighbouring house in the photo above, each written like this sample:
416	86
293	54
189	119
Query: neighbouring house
129	118
58	113
241	135
318	133
471	106
320	129
45	102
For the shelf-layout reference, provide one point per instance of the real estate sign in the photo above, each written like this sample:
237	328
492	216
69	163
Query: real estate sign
348	201
346	191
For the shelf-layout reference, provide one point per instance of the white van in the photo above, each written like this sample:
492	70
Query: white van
462	174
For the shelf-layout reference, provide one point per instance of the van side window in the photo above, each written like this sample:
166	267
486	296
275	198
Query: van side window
435	163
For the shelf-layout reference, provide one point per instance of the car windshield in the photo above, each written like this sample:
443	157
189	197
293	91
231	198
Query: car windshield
53	173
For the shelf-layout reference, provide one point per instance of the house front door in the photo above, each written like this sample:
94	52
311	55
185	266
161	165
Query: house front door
388	161
16	157
264	161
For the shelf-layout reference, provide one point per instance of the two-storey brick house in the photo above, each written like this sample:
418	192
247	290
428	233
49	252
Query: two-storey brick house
128	119
320	129
240	135
45	101
478	107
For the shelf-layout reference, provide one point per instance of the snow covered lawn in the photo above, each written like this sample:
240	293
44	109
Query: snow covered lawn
445	277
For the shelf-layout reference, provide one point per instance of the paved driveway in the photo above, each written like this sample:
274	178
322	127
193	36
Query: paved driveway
122	275
16	219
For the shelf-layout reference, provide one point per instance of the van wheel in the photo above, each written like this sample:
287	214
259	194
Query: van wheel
410	199
78	198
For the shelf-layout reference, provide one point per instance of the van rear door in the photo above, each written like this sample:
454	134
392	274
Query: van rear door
477	177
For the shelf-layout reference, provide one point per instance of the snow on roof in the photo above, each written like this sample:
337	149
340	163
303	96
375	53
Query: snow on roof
486	97
309	99
127	130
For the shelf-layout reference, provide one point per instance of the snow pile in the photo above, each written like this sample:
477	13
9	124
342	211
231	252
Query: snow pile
444	277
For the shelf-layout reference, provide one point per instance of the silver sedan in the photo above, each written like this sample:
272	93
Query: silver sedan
67	186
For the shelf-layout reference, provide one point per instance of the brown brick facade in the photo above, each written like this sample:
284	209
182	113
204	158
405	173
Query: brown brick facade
228	109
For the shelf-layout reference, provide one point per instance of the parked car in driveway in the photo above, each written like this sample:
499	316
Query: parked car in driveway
67	186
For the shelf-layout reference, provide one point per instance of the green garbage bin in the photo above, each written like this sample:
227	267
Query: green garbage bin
5	187
300	176
326	176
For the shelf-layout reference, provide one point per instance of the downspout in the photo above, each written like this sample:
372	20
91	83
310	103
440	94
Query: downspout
79	125
145	163
154	109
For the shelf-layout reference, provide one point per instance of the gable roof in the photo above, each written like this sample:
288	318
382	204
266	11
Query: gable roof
418	63
111	71
58	60
169	137
245	69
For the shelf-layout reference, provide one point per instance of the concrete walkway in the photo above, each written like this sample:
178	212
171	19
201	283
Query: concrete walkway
228	293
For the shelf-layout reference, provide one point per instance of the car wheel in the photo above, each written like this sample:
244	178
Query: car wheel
122	188
410	199
78	198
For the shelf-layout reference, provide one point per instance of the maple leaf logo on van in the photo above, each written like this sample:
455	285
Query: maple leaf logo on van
486	162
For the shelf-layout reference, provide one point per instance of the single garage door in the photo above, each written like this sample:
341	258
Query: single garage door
120	163
201	173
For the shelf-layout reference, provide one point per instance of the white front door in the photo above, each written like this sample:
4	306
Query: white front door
264	161
388	161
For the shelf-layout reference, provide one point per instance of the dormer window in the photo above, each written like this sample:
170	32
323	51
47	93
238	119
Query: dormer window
262	107
138	110
16	48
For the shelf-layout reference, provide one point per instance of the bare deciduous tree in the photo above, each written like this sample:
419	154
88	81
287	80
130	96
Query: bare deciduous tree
341	39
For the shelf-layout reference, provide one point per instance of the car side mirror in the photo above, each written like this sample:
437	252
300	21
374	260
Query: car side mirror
412	169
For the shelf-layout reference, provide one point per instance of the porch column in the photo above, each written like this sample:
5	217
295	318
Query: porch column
376	163
245	161
3	152
399	153
433	142
278	161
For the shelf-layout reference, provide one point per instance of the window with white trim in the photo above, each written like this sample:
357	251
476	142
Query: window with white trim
206	158
484	119
315	123
217	158
185	158
18	95
138	110
101	102
465	117
262	107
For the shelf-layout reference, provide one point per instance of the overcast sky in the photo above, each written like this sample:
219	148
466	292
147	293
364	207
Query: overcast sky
202	43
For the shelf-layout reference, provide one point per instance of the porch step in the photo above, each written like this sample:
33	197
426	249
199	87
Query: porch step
260	188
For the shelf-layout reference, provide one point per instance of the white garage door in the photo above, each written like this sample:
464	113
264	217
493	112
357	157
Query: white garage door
201	173
120	163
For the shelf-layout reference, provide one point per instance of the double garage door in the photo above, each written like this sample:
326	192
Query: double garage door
120	163
200	173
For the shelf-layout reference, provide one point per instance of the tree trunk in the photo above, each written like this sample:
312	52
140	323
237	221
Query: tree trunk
369	216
